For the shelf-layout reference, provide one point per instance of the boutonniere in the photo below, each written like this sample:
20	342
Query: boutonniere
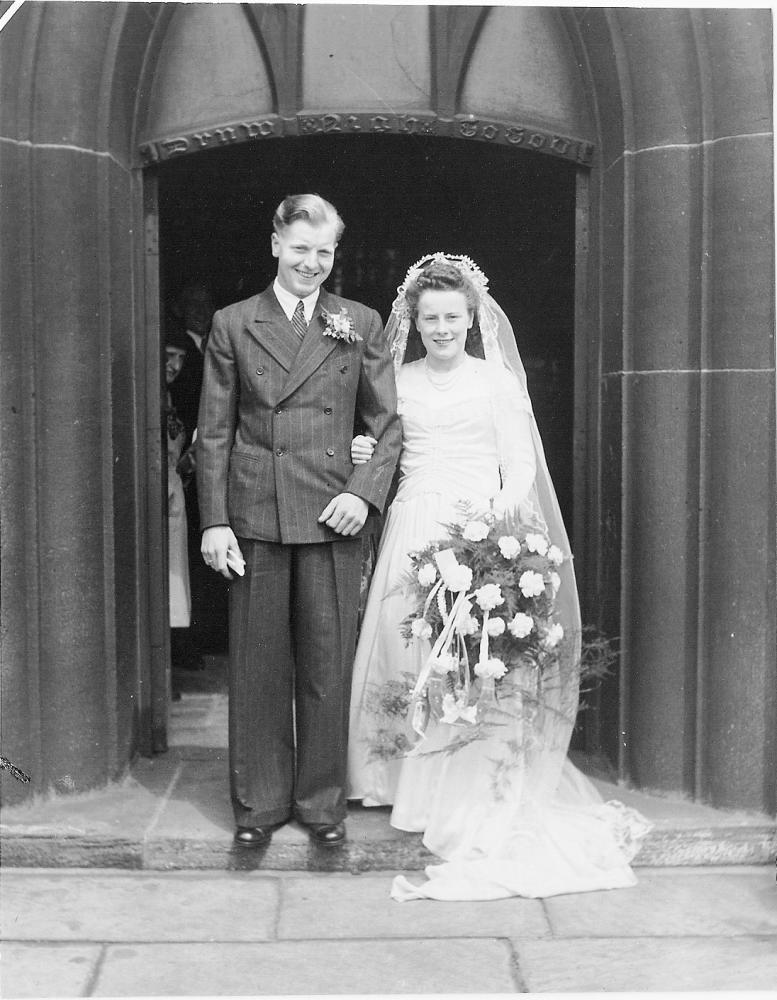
340	326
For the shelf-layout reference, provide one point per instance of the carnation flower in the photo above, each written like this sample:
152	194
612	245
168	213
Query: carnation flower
509	546
427	574
537	543
493	667
444	663
459	578
553	636
495	626
467	625
421	629
555	582
521	625
475	531
531	584
489	596
555	555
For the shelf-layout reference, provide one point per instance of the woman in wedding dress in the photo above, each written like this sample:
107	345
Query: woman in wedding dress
508	813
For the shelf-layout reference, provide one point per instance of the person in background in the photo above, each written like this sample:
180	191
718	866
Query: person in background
193	310
176	348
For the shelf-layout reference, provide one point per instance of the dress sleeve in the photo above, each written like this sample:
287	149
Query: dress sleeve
517	463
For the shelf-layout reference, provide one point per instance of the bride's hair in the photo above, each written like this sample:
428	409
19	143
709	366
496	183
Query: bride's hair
441	276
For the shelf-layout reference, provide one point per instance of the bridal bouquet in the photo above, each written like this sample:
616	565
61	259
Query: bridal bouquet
485	598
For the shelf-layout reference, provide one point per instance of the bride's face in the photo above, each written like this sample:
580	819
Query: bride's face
442	320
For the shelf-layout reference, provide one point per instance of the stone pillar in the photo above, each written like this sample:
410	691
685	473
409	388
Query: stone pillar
73	474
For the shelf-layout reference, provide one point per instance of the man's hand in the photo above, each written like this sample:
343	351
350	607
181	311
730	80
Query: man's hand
217	544
345	514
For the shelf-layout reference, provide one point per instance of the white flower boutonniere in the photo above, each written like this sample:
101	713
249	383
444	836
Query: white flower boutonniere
340	326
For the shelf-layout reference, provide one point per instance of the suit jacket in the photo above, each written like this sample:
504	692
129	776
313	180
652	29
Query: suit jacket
277	417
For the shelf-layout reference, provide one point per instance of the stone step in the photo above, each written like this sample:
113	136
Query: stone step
173	812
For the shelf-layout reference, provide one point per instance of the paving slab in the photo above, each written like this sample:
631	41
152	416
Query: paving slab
672	904
309	968
51	970
587	965
357	906
129	906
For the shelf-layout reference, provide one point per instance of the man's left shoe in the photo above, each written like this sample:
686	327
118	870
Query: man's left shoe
327	834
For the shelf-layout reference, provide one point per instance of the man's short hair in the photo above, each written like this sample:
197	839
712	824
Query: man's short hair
310	207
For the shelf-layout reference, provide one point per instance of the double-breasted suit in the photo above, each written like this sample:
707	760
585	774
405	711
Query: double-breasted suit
275	426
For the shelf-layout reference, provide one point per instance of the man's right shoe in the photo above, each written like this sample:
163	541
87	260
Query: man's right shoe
253	836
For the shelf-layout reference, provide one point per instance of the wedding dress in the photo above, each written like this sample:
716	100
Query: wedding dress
506	819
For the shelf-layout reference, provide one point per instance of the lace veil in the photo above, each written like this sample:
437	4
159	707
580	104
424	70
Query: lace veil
500	347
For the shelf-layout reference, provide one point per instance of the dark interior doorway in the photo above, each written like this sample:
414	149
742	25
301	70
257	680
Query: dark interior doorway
513	212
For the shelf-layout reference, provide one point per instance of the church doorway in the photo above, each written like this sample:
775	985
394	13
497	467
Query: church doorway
401	197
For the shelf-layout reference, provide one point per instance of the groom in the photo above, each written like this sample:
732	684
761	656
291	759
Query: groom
287	374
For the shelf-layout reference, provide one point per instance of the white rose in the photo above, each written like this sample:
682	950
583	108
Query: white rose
421	629
537	543
459	578
427	574
555	555
490	668
521	625
531	584
554	635
509	546
475	531
495	626
555	582
489	596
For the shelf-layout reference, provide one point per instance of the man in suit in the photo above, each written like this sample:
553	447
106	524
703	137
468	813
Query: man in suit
287	374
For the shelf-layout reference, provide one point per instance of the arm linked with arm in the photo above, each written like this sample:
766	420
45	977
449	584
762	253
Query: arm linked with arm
377	410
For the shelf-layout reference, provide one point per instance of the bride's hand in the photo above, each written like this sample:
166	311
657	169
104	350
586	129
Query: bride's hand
362	448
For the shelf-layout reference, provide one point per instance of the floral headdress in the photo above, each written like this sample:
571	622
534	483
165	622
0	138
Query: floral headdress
399	322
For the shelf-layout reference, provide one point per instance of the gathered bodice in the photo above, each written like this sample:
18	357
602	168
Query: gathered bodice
449	439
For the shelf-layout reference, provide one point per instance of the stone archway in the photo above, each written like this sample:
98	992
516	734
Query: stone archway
679	366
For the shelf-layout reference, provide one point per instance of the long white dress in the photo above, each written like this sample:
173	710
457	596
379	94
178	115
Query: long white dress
506	823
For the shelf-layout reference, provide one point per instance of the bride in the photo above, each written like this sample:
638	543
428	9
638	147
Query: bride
508	812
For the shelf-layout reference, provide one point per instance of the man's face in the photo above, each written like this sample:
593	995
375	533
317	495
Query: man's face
174	358
198	310
305	256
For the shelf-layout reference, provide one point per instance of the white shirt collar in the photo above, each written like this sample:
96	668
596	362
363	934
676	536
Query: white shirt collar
289	302
197	338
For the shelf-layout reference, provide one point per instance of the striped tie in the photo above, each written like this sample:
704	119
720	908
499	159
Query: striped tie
298	321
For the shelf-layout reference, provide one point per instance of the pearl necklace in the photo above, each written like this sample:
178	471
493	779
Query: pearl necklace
444	383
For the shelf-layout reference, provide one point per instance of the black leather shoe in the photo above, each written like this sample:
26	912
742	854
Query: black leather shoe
327	834
253	836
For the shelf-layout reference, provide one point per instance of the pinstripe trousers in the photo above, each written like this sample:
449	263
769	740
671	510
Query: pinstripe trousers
292	638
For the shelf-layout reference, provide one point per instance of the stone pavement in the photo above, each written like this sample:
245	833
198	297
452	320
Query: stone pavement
76	932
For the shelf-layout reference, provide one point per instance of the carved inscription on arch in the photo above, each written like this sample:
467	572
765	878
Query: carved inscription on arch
329	123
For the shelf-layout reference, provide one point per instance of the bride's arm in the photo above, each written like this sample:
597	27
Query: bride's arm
517	463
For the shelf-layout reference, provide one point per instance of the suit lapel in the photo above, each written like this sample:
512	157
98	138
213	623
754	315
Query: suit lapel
314	349
271	327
